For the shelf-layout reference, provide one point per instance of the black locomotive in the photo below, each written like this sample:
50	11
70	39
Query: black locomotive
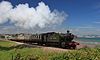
48	39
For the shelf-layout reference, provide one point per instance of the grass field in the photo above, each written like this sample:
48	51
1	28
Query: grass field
10	51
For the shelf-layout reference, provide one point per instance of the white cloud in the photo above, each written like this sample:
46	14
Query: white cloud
29	17
5	7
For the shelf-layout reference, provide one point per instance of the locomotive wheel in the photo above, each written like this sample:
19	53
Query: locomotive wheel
40	44
74	47
46	44
63	45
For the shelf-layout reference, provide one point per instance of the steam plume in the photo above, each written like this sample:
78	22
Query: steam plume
29	17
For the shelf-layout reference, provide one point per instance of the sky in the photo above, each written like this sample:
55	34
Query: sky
81	17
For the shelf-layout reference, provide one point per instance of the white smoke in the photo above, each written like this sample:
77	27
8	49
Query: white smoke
5	7
29	17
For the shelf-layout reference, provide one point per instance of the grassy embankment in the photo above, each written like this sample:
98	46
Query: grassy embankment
10	51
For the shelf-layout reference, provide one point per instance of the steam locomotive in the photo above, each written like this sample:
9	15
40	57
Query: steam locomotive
48	39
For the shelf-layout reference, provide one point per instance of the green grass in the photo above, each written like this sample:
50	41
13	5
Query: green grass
10	51
7	43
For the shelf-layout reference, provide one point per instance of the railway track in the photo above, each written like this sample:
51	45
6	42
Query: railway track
45	48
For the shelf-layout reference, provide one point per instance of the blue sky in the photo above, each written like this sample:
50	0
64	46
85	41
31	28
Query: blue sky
83	15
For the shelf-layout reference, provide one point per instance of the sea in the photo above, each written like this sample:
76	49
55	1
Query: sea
95	41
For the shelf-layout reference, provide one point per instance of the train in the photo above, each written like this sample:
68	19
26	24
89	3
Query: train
49	39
